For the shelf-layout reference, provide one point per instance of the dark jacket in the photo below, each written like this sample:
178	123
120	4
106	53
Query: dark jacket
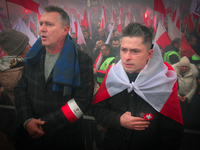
173	58
34	99
162	133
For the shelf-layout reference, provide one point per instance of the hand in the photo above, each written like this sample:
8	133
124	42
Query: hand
134	123
180	98
94	70
101	128
34	128
184	99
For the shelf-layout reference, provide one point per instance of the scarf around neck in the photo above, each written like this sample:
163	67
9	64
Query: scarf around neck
66	73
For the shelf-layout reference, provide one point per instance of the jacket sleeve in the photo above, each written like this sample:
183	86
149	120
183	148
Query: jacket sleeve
22	100
80	103
170	132
190	94
173	59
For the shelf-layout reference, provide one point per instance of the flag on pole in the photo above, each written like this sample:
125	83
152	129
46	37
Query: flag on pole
74	27
177	18
189	22
24	29
121	9
80	36
113	17
84	21
29	4
89	23
129	13
119	29
2	15
103	18
31	23
174	13
168	8
159	7
174	32
162	38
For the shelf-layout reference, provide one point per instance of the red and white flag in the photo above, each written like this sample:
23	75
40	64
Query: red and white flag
29	4
84	21
174	32
113	17
189	22
74	27
159	75
174	13
121	11
177	18
31	23
89	23
22	27
80	36
129	13
195	7
159	7
168	8
2	15
162	38
103	17
119	29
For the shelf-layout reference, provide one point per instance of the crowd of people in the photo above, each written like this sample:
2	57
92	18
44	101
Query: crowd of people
124	83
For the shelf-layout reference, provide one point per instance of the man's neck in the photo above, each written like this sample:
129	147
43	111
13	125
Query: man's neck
56	49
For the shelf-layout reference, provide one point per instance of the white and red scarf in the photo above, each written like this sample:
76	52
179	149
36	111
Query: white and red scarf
156	84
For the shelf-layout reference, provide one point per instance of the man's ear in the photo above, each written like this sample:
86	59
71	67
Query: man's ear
66	30
150	52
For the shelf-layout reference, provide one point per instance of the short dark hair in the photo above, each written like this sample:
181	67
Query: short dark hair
189	38
116	39
101	39
108	47
176	41
138	30
83	26
65	20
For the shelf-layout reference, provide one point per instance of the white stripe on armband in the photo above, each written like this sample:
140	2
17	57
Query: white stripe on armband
72	111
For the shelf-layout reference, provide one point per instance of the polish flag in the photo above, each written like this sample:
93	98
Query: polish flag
168	8
73	9
113	17
155	23
80	36
119	29
2	15
2	27
159	7
1	51
174	32
84	20
79	16
126	21
129	13
24	29
189	22
29	4
121	9
159	75
103	17
74	27
162	38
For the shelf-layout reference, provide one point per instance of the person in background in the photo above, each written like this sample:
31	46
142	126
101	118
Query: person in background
85	49
55	90
101	41
171	52
186	73
116	47
88	40
15	46
73	35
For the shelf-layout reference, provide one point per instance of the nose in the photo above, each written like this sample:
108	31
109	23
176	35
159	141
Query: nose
128	55
42	28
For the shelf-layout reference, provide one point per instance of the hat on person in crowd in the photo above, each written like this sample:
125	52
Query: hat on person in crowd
184	62
13	42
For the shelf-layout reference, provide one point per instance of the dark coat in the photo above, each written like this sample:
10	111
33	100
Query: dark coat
162	133
34	99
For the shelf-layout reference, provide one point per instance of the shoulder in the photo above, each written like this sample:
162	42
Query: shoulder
194	70
83	57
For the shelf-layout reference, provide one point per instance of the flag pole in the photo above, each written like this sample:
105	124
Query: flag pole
8	14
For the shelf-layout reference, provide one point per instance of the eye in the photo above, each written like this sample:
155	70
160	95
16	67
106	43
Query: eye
124	50
49	24
41	23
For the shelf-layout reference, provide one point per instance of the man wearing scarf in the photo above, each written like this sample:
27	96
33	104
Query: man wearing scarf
138	100
55	89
